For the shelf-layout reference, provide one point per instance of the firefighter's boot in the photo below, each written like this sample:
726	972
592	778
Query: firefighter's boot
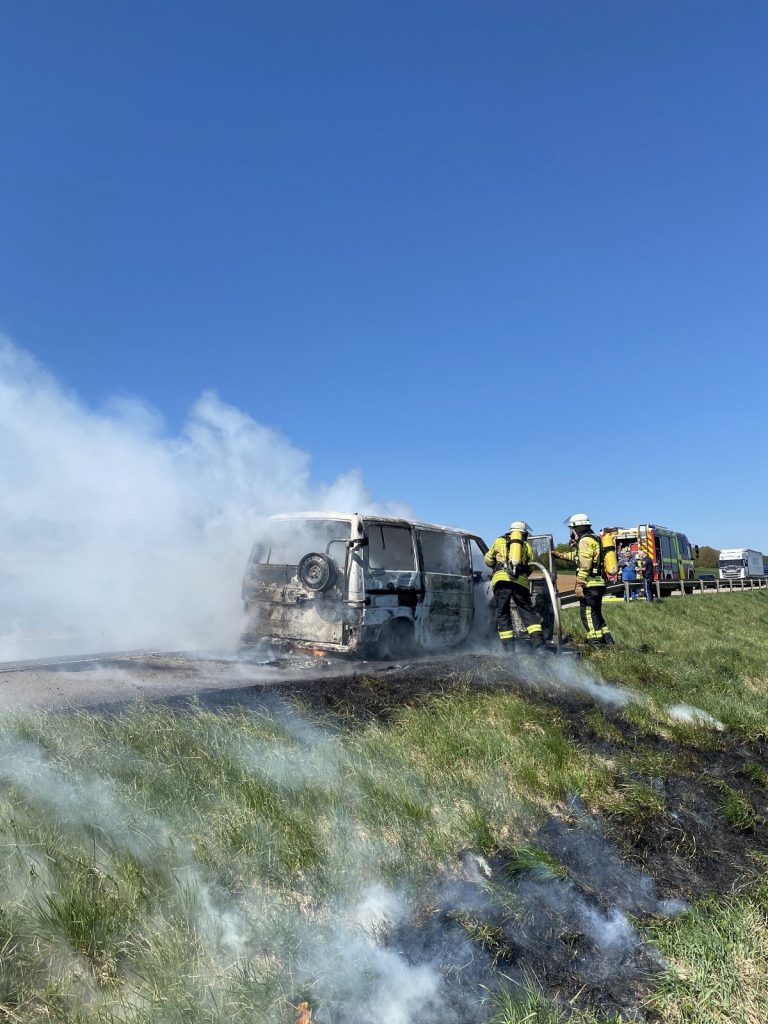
537	643
596	643
608	640
507	647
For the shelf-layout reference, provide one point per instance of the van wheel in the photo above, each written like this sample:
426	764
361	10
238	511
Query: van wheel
396	640
317	572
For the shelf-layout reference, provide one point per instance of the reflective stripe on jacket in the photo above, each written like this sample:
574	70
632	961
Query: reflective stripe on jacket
586	557
496	557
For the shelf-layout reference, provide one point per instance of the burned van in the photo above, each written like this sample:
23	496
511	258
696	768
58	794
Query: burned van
366	584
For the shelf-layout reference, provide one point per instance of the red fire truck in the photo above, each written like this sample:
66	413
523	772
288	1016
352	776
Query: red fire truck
670	551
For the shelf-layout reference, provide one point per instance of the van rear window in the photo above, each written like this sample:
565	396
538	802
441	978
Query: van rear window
286	542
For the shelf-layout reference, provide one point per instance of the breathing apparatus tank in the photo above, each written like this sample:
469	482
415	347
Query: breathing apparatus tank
608	545
515	550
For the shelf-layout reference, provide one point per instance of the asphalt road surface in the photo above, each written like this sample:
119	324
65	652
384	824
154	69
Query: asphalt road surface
100	681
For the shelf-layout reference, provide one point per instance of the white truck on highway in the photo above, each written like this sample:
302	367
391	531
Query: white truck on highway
740	564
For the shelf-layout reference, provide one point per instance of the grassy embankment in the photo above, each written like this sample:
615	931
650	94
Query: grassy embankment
211	867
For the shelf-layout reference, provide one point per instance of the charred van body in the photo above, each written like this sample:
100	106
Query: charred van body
367	585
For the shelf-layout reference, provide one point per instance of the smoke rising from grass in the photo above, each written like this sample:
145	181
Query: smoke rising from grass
349	929
563	674
335	952
558	675
555	675
116	532
694	716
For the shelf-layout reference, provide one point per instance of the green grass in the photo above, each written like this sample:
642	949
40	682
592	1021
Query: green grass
164	867
718	955
601	728
756	773
527	1004
737	808
534	861
710	652
652	763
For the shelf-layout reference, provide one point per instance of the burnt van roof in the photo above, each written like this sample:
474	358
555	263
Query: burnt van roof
372	517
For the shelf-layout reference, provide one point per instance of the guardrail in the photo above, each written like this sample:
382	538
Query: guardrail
676	588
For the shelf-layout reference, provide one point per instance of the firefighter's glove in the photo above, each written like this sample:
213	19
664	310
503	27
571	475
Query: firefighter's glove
579	590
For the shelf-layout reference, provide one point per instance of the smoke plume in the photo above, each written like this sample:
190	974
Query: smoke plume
115	535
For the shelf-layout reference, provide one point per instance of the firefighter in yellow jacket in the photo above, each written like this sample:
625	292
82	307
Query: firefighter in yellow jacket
590	581
510	557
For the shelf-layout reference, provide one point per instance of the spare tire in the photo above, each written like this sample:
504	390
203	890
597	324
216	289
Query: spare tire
317	572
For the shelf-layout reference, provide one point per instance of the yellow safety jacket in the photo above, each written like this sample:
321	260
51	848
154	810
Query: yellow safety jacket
497	557
586	557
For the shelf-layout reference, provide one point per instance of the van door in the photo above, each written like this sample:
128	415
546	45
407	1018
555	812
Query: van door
448	609
483	625
392	577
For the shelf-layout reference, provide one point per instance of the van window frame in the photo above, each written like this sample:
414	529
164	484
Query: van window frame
371	549
465	568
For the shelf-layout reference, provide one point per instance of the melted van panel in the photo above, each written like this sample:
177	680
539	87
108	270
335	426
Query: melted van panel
281	608
311	619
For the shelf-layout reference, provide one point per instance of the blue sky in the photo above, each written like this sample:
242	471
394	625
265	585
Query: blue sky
508	258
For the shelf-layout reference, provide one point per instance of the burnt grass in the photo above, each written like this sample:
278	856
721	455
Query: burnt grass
683	847
690	850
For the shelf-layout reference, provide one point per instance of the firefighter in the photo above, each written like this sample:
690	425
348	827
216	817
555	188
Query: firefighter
590	581
510	557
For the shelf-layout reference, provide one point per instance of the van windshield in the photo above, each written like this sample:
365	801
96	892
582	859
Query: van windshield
285	542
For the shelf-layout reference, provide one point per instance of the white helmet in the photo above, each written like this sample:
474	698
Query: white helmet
519	525
579	519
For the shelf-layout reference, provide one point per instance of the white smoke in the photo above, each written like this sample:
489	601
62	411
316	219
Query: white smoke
694	716
115	535
336	951
76	800
558	675
565	674
389	953
379	908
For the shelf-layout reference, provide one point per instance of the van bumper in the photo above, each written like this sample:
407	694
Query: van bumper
358	642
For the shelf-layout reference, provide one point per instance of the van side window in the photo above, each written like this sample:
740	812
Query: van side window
390	547
444	553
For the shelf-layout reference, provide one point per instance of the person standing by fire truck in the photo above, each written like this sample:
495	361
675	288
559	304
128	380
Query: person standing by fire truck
590	581
645	572
510	557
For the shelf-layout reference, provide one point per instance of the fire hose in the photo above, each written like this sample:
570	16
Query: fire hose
555	599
